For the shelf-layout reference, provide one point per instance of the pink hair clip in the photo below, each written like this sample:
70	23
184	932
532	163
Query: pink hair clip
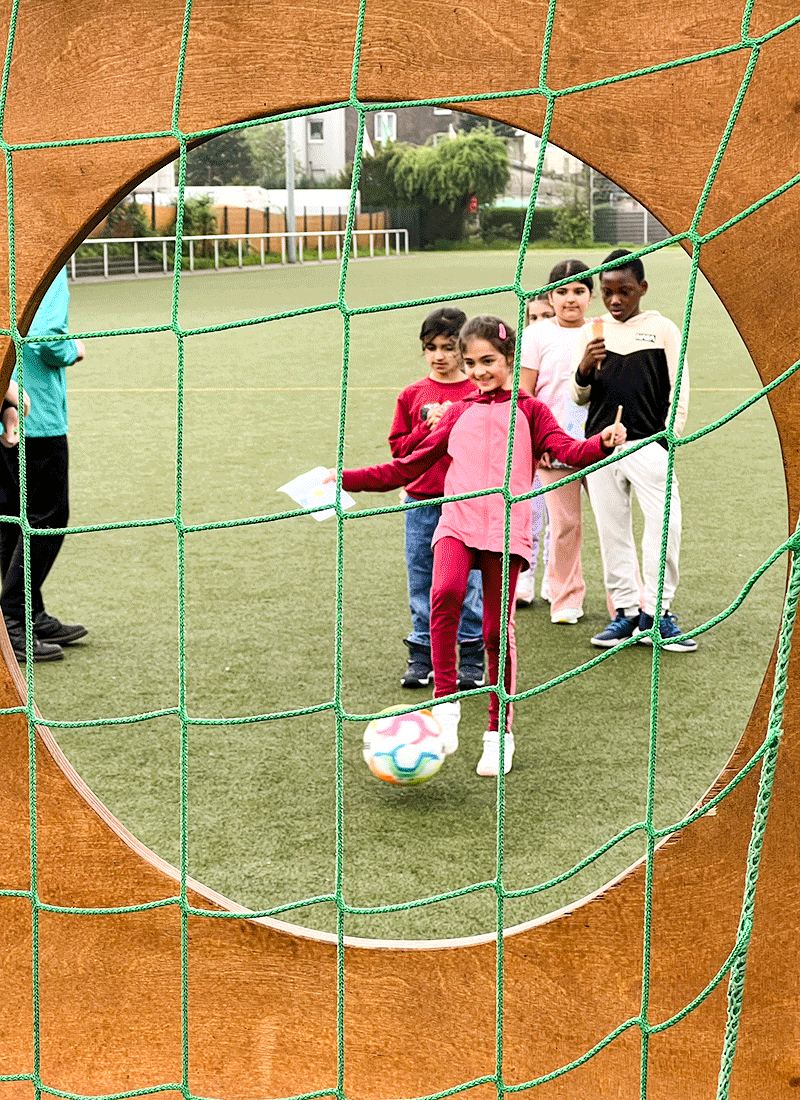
501	330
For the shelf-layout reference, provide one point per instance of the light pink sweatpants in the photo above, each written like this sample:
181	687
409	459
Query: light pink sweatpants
564	573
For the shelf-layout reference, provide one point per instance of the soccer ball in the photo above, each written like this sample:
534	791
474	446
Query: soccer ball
404	748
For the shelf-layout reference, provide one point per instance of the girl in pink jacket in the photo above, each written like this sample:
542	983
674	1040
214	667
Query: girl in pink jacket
473	434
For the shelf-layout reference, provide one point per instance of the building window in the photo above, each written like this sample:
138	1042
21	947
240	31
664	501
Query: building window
316	129
442	111
385	126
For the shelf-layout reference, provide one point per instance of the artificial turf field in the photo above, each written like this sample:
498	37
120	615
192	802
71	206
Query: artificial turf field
261	406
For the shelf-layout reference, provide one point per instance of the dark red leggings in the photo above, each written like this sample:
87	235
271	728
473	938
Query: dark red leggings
452	561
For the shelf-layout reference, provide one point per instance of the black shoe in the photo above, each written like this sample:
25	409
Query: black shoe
48	629
420	670
470	667
42	651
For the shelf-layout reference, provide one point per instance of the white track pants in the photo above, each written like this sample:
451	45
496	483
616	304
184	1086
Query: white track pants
645	473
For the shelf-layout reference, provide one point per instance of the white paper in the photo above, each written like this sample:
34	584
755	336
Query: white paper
309	492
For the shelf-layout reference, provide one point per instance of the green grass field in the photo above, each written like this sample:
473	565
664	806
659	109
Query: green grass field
261	406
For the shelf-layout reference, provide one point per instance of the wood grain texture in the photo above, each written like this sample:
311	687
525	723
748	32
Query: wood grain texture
262	1017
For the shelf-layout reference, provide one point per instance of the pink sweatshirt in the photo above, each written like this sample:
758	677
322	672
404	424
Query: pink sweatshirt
474	434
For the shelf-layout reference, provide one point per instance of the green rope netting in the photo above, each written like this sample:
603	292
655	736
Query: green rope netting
734	967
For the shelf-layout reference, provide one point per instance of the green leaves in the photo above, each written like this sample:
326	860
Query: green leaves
447	174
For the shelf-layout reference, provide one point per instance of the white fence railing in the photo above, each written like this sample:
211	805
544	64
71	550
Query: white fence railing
245	243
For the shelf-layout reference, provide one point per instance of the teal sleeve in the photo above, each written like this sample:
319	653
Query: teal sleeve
52	319
44	365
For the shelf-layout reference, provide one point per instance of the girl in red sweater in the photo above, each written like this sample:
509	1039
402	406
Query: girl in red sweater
473	433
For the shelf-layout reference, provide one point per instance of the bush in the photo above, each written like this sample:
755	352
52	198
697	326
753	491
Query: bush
572	226
495	218
127	219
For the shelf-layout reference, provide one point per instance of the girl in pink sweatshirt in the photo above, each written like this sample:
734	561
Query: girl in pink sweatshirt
473	434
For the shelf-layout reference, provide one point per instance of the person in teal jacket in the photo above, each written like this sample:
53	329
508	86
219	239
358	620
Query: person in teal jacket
44	367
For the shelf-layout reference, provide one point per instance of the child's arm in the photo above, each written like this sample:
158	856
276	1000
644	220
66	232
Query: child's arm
529	361
547	435
589	354
672	348
391	475
404	434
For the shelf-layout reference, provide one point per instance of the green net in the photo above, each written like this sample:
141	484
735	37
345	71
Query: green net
733	970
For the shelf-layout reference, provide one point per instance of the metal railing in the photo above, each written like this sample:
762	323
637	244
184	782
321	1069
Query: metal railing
113	264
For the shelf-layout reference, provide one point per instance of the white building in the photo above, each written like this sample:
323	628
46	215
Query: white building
319	143
313	200
161	184
561	172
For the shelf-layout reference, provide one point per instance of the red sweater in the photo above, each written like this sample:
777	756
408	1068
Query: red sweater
473	436
409	428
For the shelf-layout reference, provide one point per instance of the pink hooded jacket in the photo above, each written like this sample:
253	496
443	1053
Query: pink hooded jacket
473	433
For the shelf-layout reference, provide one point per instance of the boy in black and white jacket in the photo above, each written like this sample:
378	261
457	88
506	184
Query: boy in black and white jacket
634	363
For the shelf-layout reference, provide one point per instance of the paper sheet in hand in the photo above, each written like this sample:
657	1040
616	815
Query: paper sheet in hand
309	492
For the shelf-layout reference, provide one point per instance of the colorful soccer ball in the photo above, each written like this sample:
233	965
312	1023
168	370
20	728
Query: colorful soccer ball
404	748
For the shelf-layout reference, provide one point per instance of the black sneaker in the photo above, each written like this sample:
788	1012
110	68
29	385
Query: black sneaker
470	667
420	670
42	651
48	629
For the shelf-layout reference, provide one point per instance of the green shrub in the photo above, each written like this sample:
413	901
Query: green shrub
495	218
127	219
572	225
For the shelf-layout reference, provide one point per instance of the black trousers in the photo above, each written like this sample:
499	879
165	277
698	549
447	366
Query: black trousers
47	492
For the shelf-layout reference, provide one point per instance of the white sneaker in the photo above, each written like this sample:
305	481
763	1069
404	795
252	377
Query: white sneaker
489	763
544	592
568	615
448	716
526	588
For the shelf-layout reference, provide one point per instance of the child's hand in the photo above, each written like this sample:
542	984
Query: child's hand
329	477
613	436
436	413
545	462
593	356
10	421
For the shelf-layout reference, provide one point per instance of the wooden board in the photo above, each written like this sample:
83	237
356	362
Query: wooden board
262	1002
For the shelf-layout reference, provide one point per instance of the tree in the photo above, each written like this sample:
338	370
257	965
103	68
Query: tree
128	219
377	184
440	179
199	220
226	159
467	123
268	152
473	164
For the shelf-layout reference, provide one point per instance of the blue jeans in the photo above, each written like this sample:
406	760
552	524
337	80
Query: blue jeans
420	525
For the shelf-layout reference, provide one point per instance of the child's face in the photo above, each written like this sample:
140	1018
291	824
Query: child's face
487	367
622	293
442	356
570	302
538	311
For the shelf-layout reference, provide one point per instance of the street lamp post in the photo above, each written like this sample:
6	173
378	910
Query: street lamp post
291	223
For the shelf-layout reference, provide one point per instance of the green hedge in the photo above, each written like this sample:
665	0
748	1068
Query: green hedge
494	218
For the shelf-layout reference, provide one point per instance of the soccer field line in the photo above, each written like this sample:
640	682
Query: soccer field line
295	389
242	389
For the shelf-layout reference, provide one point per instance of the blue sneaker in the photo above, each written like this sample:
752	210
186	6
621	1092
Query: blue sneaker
670	633
622	627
